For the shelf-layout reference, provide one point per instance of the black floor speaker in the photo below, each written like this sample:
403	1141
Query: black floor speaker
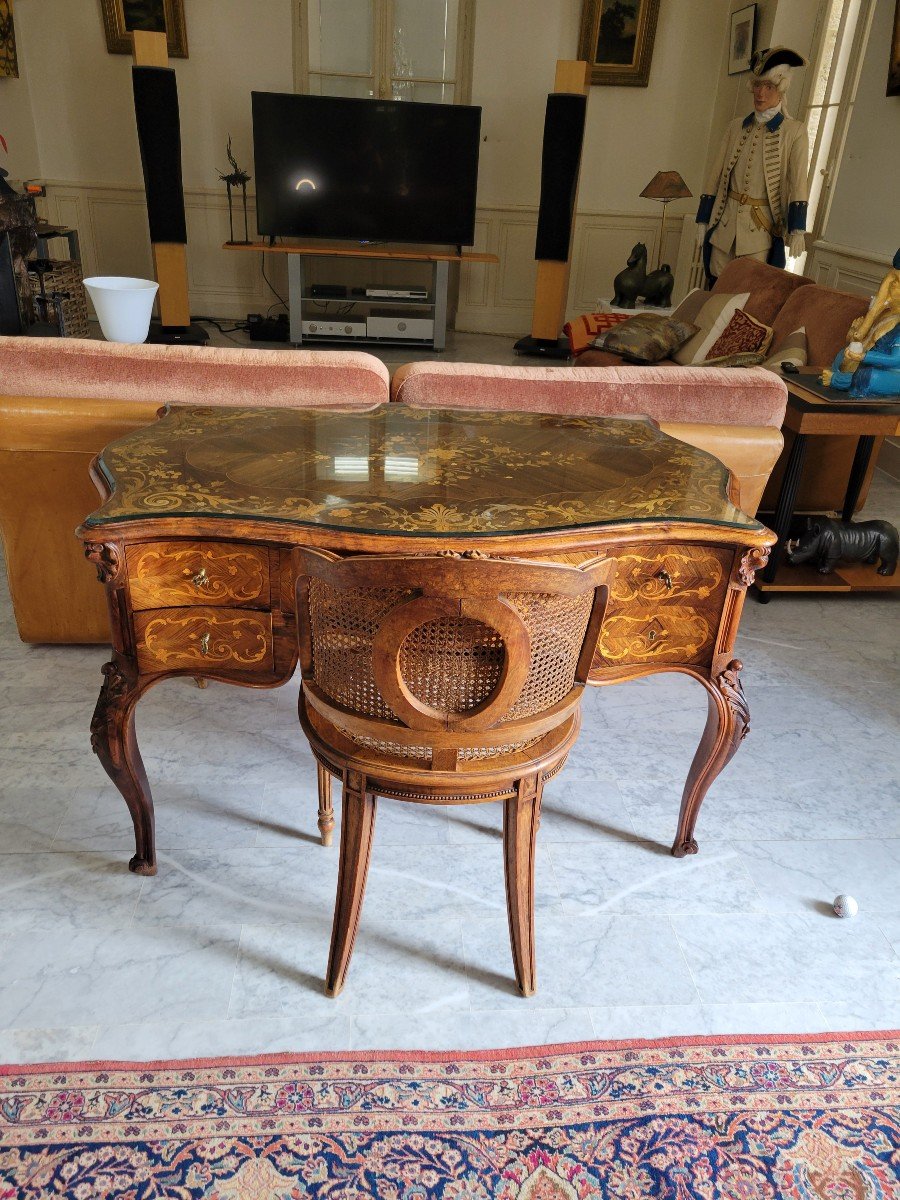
564	121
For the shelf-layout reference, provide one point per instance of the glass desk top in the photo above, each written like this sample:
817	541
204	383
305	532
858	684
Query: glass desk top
400	470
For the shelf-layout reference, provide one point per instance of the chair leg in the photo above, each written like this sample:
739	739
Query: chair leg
326	808
357	828
521	817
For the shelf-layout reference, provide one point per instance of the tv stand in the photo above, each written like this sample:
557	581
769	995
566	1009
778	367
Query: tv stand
435	307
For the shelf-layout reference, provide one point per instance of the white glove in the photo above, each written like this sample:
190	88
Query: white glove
701	234
796	243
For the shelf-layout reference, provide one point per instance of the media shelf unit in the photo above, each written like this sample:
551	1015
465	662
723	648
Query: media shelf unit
435	303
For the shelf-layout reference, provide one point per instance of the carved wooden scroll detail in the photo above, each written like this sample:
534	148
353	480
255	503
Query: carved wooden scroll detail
729	684
752	561
105	558
112	691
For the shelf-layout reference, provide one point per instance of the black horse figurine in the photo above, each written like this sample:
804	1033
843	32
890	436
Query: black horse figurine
629	284
658	286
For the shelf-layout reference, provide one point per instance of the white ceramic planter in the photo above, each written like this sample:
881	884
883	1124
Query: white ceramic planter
123	306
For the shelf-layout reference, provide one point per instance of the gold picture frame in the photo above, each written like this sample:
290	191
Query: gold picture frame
616	38
120	17
893	80
9	63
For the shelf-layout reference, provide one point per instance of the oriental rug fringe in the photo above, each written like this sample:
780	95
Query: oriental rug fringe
739	1118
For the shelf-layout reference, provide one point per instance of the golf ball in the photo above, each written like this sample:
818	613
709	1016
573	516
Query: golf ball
845	906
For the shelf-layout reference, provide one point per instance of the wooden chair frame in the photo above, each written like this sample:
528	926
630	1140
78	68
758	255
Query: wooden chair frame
468	587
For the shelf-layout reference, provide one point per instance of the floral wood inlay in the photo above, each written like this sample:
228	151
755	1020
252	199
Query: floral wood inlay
415	471
176	573
203	638
652	574
671	635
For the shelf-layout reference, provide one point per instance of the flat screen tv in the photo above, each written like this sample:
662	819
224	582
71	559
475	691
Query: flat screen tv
365	170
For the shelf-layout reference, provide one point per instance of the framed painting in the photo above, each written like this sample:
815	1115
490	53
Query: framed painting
740	39
616	38
893	83
122	17
9	63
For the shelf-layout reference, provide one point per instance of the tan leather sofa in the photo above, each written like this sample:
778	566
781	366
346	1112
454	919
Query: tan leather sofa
62	401
735	415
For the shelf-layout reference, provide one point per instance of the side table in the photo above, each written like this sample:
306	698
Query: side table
814	409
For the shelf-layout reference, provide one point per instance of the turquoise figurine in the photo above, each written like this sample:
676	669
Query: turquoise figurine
869	367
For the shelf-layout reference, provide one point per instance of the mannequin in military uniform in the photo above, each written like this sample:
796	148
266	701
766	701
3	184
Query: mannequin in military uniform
756	196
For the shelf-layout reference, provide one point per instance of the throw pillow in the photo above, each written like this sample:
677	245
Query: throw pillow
582	331
742	335
792	349
690	307
646	338
742	358
712	319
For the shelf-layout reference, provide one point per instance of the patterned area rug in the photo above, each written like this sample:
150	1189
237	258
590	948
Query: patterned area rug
721	1119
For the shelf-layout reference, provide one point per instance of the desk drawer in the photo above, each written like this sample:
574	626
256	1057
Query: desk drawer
673	634
652	575
173	574
204	639
665	606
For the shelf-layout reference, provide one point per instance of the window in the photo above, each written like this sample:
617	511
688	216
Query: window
392	49
829	103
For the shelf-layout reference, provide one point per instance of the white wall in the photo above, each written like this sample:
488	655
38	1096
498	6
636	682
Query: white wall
17	122
86	144
865	206
81	94
631	132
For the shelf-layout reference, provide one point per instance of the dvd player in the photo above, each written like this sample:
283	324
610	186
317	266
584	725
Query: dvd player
384	292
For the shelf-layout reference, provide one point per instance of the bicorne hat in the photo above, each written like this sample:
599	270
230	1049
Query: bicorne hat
763	61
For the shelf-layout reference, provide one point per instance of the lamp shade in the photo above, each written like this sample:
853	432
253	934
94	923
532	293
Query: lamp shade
666	185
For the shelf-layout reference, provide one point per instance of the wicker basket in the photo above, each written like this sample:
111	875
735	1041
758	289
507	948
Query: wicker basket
65	276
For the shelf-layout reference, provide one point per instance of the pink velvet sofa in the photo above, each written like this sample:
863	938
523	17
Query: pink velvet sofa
735	415
788	302
62	401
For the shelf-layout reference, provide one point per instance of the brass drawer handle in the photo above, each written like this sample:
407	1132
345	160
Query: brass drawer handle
204	643
666	578
201	579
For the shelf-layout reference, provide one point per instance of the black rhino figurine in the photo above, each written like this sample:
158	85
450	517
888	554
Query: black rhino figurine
827	541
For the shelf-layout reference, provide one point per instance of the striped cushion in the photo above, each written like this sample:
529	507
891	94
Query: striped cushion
582	331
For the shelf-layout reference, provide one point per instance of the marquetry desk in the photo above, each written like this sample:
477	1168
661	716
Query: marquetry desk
202	511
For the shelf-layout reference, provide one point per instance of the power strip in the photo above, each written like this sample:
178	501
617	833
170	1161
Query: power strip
268	329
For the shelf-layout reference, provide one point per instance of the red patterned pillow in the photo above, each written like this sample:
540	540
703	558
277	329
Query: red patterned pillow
742	335
582	331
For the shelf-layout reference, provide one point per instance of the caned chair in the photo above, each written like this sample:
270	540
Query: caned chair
442	680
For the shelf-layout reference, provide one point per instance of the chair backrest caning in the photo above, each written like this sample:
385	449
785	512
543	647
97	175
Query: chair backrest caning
446	645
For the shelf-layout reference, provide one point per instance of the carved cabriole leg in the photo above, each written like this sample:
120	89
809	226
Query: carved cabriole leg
727	722
326	807
114	742
357	828
521	816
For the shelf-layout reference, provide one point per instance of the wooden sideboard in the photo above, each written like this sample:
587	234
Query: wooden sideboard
203	510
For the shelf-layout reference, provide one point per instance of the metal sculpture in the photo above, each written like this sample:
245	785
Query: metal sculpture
237	177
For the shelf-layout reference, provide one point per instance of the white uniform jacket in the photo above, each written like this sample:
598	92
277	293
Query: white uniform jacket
785	166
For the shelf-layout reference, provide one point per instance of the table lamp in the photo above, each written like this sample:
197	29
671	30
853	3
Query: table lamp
665	186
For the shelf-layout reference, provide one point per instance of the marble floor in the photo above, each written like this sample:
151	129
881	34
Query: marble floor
224	950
